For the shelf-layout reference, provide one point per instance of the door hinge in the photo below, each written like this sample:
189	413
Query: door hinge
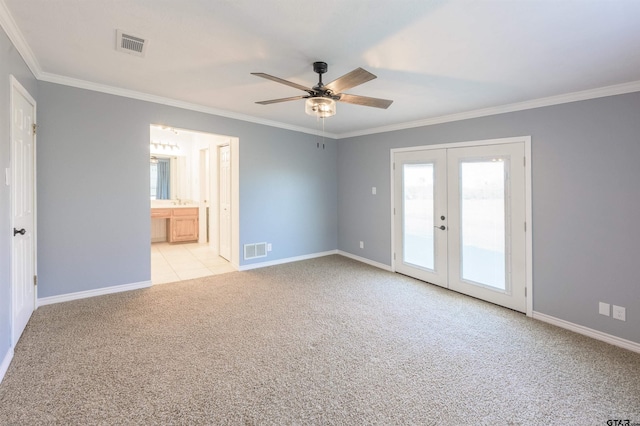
525	292
34	126
394	256
525	227
394	166
35	280
524	161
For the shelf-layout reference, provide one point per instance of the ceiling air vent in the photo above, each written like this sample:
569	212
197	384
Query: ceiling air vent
131	44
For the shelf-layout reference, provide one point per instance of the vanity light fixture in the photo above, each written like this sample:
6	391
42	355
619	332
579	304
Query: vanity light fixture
165	146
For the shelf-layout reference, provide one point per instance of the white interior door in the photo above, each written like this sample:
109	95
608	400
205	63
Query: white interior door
23	247
459	220
224	194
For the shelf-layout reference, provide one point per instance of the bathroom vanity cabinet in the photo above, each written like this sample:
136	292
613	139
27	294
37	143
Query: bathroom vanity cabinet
182	223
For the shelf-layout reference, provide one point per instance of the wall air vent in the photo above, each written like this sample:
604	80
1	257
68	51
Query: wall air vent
252	251
128	43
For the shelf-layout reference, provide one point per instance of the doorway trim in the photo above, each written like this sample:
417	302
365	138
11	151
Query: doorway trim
528	200
16	86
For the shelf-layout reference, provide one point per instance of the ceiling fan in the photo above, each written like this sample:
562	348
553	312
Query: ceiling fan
321	99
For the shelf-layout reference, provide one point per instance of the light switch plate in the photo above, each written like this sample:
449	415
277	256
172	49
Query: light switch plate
603	309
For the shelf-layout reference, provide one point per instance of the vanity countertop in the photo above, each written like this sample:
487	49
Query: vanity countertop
171	205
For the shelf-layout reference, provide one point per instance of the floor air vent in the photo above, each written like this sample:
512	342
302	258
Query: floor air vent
128	43
252	251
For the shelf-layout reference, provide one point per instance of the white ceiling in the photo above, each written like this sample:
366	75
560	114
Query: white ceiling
433	58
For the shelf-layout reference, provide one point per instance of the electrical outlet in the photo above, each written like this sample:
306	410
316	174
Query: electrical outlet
619	313
268	246
362	244
373	190
603	309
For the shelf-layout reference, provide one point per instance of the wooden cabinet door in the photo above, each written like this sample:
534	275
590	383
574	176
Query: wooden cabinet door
184	228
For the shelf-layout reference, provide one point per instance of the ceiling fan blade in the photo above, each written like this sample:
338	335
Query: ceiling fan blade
281	81
275	101
349	80
364	100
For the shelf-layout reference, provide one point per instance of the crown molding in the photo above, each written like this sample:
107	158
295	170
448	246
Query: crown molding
617	89
103	88
15	36
11	28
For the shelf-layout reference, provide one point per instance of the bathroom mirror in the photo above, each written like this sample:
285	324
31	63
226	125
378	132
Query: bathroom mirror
165	177
172	163
160	179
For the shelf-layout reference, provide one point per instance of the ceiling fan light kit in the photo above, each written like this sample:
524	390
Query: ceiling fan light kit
321	99
320	107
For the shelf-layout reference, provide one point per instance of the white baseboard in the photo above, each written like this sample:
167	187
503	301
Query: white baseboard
608	338
91	293
365	260
287	260
312	256
5	363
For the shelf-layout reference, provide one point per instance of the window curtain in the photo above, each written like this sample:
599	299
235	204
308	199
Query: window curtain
162	188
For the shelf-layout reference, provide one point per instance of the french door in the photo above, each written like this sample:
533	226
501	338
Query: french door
459	220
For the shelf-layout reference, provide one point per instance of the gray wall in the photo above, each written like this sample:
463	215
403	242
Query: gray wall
93	180
586	201
11	63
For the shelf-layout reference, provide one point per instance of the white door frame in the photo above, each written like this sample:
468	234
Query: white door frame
204	183
16	86
528	200
220	222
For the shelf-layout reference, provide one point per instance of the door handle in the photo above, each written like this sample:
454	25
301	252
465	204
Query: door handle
19	231
441	227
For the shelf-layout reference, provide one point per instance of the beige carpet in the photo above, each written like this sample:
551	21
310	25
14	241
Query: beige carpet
323	341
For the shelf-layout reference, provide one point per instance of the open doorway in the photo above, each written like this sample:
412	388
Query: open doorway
193	204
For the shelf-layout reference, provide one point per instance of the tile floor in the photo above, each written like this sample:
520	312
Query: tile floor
177	262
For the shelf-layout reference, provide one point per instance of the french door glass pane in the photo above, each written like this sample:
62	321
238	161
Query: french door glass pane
482	190
418	225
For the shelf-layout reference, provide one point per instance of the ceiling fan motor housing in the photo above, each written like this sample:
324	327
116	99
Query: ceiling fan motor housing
320	67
